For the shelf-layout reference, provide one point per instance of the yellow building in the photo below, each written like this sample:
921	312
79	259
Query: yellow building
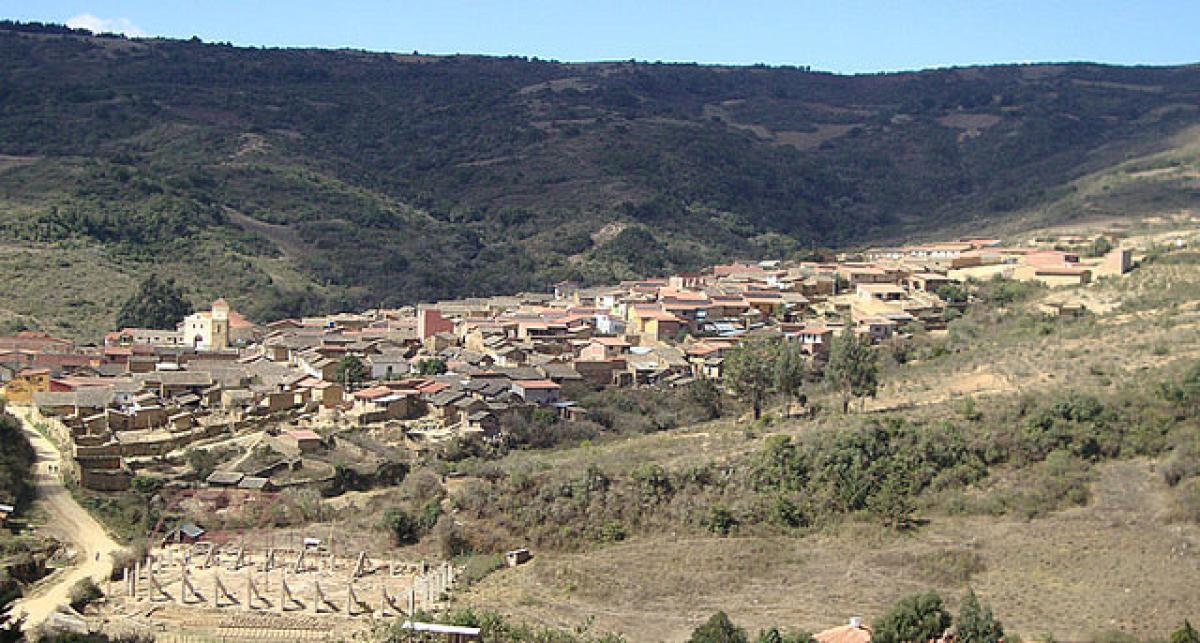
21	388
656	323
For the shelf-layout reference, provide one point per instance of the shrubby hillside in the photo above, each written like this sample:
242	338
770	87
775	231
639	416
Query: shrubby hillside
297	180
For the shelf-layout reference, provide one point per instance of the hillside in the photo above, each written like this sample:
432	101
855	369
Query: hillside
299	180
1042	458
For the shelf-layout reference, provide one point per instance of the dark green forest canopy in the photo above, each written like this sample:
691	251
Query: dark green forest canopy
391	178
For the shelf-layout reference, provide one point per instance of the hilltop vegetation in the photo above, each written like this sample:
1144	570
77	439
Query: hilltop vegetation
297	180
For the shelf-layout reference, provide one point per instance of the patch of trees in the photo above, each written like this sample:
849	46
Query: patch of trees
1001	291
920	617
886	469
16	462
853	368
351	371
156	303
758	368
431	366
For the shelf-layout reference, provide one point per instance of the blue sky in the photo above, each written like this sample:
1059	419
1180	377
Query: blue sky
837	35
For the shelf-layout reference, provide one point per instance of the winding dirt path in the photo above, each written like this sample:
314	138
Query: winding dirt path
70	522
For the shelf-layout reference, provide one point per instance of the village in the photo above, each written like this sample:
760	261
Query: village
273	397
256	409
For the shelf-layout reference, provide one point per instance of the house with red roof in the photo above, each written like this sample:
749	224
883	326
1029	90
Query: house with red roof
537	391
303	440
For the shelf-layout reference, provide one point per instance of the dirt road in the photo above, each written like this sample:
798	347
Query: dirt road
71	523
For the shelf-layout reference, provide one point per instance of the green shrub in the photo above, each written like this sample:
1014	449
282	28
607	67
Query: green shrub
146	485
1185	634
976	623
1001	291
449	538
720	520
612	531
718	629
920	617
402	527
787	513
84	593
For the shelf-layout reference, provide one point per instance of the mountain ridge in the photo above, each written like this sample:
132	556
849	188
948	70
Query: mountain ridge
400	178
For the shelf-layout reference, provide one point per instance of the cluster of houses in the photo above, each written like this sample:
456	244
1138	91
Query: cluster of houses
466	366
1053	261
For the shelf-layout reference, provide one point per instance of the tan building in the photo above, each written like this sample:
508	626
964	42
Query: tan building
1054	276
21	388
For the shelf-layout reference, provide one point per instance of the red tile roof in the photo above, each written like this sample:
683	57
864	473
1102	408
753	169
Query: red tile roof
845	634
375	392
433	387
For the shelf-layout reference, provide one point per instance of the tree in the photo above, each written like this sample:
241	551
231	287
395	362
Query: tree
351	371
431	366
749	369
853	368
976	624
402	526
449	539
718	629
892	502
157	303
1100	247
704	394
920	617
952	293
10	625
1185	634
791	366
202	461
146	485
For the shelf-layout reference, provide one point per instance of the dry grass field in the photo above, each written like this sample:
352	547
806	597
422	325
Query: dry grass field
1115	564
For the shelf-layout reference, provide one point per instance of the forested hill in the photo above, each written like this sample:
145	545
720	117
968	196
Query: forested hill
292	180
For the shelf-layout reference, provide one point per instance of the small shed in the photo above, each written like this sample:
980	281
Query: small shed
517	556
186	532
305	440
